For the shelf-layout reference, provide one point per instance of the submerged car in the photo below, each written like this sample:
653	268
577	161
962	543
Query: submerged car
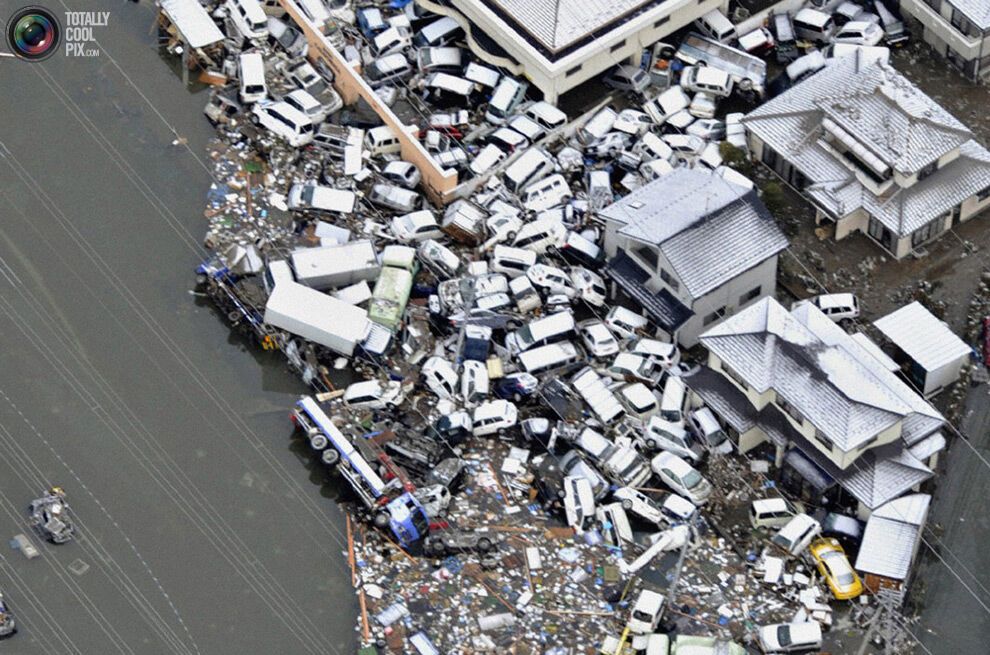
50	515
449	542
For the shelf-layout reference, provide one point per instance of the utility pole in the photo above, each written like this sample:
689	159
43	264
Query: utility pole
884	622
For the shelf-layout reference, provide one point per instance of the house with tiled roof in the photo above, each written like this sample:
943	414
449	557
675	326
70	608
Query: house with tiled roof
559	44
691	248
873	154
959	30
838	421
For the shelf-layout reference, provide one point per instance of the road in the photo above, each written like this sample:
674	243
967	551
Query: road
955	583
201	530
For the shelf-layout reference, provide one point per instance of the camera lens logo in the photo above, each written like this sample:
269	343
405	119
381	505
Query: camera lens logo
33	33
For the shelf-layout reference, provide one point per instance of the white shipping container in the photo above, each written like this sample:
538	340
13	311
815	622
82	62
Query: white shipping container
317	317
330	267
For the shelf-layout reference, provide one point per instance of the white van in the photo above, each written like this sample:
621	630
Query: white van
708	431
673	400
493	417
540	235
548	358
597	126
614	524
546	115
252	73
513	262
438	33
395	197
488	158
443	60
533	165
474	382
794	537
653	147
717	26
550	329
388	69
770	513
525	295
249	18
813	25
394	39
707	79
625	323
507	96
482	76
545	194
283	120
447	90
382	140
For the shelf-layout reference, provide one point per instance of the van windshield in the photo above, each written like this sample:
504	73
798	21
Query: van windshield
691	479
524	337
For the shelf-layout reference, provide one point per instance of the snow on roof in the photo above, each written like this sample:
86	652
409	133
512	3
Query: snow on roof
892	535
921	335
195	25
977	11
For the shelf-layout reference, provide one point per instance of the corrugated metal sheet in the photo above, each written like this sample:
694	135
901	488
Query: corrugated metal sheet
892	536
925	339
195	25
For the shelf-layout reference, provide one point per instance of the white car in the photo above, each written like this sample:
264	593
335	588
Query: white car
645	615
283	120
316	198
439	376
598	341
372	394
791	637
681	477
439	259
501	227
402	173
735	132
551	279
710	129
860	33
629	366
632	121
487	158
474	382
797	534
639	504
416	226
304	102
624	322
640	403
590	286
660	434
703	105
493	417
837	306
708	431
661	353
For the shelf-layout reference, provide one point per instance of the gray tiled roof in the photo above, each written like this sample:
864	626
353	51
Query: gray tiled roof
894	121
707	228
558	23
816	367
892	536
978	11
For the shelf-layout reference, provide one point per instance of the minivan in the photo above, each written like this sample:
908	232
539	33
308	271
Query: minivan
548	192
540	235
252	71
506	97
597	126
770	513
394	39
532	165
673	400
614	524
493	417
513	262
708	431
813	25
283	120
525	295
443	60
395	197
797	534
439	33
708	79
249	18
547	330
382	141
388	69
446	90
625	323
550	357
549	117
717	26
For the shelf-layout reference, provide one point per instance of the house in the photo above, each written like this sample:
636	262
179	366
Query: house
840	424
873	154
891	541
558	44
691	248
931	354
959	30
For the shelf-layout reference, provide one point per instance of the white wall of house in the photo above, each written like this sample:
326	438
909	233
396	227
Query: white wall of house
554	78
939	32
973	206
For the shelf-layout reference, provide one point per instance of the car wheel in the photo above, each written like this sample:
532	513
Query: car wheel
381	520
318	442
255	119
330	456
484	544
652	444
510	236
627	505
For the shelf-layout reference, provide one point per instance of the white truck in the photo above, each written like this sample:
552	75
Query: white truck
332	267
597	395
322	319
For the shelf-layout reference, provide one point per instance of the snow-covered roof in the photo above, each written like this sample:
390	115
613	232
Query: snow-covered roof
890	124
195	25
977	11
709	229
816	367
893	533
923	337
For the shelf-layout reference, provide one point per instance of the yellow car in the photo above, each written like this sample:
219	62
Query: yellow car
835	568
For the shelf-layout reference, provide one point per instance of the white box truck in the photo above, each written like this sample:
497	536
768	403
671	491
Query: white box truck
332	267
315	316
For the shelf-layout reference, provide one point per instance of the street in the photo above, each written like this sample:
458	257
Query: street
200	530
